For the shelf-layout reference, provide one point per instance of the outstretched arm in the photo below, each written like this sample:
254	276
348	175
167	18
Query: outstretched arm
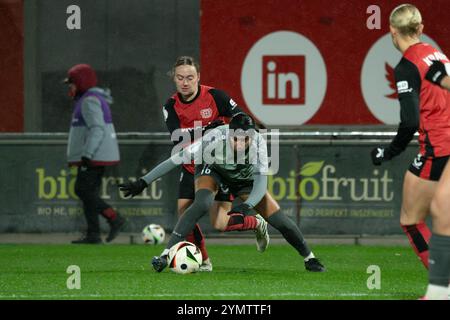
133	188
178	157
160	170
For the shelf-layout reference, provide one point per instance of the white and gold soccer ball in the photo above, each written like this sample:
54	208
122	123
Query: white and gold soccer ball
184	257
153	234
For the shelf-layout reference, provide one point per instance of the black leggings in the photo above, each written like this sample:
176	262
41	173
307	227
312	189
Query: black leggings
87	188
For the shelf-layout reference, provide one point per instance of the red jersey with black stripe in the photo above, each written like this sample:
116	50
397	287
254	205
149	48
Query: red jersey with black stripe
424	107
208	105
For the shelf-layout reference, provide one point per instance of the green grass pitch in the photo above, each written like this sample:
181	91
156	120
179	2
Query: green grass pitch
240	273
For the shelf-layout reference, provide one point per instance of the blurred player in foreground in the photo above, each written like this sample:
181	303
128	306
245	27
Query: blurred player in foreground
423	107
236	155
439	273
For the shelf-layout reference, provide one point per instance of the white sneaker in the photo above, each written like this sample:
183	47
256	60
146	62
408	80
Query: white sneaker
262	235
206	266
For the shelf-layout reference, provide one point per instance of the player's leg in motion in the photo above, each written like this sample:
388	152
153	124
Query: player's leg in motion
221	221
206	189
439	270
196	235
218	215
270	210
185	199
240	222
417	195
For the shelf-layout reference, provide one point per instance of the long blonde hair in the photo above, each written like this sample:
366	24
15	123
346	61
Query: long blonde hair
406	18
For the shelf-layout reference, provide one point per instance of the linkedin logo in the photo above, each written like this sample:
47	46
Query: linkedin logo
283	79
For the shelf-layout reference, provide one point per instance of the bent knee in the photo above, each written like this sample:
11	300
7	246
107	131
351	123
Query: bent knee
200	206
412	215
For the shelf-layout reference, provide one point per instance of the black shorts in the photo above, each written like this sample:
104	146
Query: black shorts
187	188
428	168
236	189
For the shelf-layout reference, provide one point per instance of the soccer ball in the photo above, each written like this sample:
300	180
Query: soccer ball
153	234
184	257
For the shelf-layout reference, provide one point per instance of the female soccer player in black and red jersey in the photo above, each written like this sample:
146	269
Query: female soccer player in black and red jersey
195	105
425	108
439	273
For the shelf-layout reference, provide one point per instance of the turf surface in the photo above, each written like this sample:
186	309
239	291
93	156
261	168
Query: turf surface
240	272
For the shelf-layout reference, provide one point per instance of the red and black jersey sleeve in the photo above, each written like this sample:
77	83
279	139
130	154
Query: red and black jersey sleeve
226	106
171	118
408	80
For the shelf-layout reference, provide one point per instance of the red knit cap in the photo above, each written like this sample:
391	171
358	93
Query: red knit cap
83	76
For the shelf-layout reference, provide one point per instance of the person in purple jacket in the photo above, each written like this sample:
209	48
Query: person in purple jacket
91	147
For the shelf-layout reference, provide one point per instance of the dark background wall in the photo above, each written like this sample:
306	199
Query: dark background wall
11	65
132	44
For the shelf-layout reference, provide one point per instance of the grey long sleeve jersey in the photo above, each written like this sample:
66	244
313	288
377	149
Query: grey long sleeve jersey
217	140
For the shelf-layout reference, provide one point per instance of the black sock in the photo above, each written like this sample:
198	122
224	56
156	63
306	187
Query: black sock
290	232
439	262
204	198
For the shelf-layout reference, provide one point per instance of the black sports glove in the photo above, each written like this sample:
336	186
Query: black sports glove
436	72
133	188
213	124
243	209
86	162
380	154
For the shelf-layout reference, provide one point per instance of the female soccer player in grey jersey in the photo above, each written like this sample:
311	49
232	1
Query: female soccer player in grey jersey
235	155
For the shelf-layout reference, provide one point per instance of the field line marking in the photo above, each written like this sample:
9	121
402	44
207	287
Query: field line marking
174	295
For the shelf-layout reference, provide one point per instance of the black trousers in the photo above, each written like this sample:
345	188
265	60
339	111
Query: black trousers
87	188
